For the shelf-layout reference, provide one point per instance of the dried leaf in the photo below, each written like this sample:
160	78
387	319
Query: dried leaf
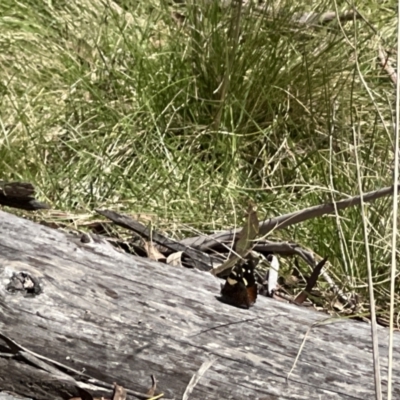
245	244
152	252
249	231
312	280
175	259
338	305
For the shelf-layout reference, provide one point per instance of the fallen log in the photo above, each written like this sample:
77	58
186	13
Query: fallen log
83	314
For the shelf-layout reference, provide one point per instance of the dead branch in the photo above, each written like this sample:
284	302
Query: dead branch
207	242
201	260
20	195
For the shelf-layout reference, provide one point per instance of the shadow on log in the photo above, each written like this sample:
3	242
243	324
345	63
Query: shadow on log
102	316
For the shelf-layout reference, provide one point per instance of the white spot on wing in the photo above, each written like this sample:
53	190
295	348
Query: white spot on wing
231	281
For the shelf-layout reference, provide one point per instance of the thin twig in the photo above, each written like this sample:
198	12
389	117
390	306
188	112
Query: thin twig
201	260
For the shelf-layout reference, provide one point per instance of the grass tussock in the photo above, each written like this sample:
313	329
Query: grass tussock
127	105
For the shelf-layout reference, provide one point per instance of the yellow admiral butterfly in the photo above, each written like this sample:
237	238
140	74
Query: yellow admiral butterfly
240	287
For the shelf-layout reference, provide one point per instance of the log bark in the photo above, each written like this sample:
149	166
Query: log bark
103	316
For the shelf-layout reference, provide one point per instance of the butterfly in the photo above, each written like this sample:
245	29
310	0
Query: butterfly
240	288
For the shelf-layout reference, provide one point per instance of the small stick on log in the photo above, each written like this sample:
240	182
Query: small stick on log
200	259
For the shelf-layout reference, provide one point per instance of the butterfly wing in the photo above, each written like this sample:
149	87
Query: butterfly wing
240	287
249	278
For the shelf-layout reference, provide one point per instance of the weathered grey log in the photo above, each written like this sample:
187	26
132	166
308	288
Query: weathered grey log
10	396
120	319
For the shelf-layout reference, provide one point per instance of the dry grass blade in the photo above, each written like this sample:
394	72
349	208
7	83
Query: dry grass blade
156	397
233	35
374	331
387	65
197	376
395	216
318	323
